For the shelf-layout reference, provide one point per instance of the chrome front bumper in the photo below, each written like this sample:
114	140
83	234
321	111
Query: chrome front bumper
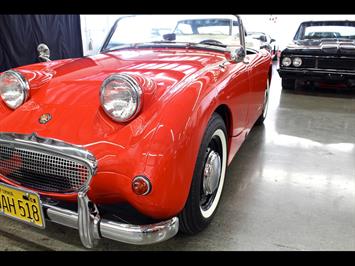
87	220
92	227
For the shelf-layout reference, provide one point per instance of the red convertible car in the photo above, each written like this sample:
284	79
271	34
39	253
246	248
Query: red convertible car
131	144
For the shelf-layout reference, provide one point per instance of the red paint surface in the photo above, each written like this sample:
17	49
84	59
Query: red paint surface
182	88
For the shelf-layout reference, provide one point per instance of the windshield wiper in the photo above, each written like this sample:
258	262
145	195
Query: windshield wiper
213	44
122	46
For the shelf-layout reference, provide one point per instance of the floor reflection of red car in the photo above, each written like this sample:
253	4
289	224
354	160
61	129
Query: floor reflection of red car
133	143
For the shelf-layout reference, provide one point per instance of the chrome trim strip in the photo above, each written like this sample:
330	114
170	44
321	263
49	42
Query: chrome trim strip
317	71
52	146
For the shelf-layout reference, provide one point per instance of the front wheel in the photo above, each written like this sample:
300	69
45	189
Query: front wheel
208	179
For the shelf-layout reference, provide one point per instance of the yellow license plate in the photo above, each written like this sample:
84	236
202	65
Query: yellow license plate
21	205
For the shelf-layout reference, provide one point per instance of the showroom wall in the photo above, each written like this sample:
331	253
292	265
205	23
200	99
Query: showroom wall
283	27
21	34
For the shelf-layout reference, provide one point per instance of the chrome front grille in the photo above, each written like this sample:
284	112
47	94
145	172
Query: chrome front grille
40	166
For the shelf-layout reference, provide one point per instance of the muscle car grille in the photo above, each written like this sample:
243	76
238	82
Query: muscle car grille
328	63
42	170
336	63
308	62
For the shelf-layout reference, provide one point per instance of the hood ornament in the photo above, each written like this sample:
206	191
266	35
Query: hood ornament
43	119
43	52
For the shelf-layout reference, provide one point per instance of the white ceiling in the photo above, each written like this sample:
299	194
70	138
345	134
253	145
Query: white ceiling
283	27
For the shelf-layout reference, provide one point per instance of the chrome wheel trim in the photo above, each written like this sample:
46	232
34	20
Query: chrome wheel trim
266	99
208	213
212	172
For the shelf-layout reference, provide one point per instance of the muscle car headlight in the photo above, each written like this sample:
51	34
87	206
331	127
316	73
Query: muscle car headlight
286	61
120	97
14	88
297	62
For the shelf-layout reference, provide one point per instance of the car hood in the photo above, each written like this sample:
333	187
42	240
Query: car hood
322	47
77	81
68	90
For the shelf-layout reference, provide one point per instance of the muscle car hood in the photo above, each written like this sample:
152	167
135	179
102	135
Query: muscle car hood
69	90
322	47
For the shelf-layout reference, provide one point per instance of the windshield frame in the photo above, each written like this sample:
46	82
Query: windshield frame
171	44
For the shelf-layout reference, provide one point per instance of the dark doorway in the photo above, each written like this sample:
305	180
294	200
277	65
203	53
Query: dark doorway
21	34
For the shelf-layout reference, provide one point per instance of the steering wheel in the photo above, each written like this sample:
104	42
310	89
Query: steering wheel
210	41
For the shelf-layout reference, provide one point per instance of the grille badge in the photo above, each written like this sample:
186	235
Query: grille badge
43	119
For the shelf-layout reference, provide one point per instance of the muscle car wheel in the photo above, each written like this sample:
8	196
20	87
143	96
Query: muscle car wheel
288	84
266	104
207	183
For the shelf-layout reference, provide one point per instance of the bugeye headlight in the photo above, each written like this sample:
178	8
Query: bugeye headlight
297	62
120	97
286	61
14	88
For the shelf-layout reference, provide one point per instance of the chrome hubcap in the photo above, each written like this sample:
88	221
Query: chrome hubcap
212	172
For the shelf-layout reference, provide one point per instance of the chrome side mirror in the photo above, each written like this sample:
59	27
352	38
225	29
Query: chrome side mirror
238	54
43	53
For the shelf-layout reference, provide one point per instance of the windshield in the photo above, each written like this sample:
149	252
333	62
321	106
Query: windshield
211	30
325	31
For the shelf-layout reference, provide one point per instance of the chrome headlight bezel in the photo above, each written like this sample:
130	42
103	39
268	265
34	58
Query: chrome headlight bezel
24	86
288	63
295	60
135	90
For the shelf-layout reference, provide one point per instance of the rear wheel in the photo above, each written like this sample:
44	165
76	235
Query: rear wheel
288	84
208	179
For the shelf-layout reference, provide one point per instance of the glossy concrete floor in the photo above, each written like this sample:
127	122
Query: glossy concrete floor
290	187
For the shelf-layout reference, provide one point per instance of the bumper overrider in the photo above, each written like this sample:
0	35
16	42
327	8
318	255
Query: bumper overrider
316	74
87	220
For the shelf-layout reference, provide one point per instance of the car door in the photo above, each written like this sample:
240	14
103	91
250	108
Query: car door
239	96
240	87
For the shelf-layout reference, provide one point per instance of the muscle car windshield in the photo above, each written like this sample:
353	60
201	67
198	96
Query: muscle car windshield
214	31
326	30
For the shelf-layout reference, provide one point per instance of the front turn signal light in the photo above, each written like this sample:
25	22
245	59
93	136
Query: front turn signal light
141	185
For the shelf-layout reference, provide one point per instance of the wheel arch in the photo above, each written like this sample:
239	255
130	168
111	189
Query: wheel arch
224	111
177	138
